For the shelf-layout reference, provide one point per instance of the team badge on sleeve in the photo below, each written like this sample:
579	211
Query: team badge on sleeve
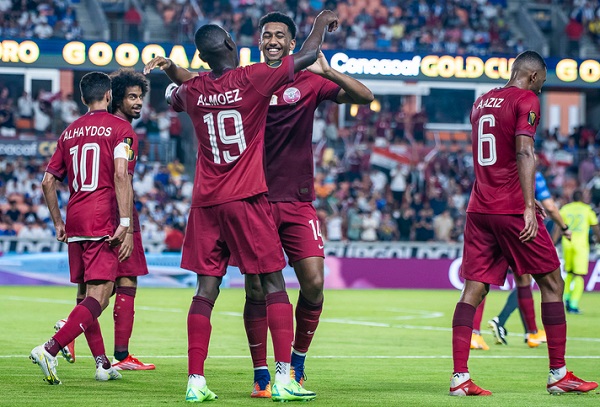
129	148
532	118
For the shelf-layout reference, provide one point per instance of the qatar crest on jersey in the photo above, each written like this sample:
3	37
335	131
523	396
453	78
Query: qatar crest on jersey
291	95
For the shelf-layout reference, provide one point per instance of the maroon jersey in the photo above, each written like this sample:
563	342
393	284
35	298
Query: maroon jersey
132	142
85	154
498	117
229	114
288	137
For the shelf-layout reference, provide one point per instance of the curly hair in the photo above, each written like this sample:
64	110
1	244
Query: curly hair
123	79
277	17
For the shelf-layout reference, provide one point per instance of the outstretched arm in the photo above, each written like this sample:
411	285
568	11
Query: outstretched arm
352	90
176	73
325	21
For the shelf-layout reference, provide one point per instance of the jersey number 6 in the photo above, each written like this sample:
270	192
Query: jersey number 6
488	138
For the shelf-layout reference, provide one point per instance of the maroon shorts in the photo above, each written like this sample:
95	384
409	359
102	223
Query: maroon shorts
91	260
299	229
491	245
135	265
243	230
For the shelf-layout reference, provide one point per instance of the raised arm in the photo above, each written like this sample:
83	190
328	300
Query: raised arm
526	167
326	20
51	197
352	90
177	74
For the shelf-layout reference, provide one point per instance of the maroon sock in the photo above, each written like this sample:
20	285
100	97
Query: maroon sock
555	323
307	320
82	316
462	327
199	329
525	298
478	316
280	316
255	322
93	334
123	317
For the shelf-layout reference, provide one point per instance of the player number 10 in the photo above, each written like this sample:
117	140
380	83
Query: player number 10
488	138
237	138
80	167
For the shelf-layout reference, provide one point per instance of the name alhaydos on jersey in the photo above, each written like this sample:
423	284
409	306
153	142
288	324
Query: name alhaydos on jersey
226	98
87	131
490	102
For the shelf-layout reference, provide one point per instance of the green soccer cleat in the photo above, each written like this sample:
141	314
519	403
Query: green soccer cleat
196	394
46	362
291	392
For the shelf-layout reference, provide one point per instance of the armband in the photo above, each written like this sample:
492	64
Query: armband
124	222
169	92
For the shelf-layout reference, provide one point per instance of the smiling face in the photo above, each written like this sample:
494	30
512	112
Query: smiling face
131	106
276	41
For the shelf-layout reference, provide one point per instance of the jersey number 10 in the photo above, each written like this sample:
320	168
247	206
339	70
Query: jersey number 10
82	181
486	138
237	138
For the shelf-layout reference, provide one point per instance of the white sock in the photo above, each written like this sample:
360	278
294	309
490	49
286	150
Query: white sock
298	353
459	378
559	373
282	372
197	380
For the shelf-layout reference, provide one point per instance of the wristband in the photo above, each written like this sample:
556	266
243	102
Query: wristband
565	228
124	222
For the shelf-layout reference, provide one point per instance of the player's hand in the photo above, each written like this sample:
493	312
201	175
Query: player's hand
61	232
330	18
530	230
119	236
126	247
540	209
320	67
567	233
157	62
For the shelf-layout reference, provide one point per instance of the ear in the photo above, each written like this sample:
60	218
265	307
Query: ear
229	45
533	76
83	100
292	45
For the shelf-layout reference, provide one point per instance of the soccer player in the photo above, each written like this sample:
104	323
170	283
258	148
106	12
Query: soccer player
503	227
128	91
576	251
230	214
91	154
522	295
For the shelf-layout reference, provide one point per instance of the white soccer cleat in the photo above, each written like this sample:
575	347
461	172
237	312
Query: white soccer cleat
46	362
104	375
68	352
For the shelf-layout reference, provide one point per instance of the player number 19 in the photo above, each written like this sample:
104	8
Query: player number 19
237	138
487	138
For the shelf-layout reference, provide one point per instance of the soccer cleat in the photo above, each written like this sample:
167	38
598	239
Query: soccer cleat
477	342
569	384
259	393
575	311
534	340
292	391
131	363
499	331
104	375
46	362
68	352
468	388
297	374
197	394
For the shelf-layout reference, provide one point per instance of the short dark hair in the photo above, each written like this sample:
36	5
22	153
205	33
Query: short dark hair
530	58
123	79
277	17
208	38
577	196
93	86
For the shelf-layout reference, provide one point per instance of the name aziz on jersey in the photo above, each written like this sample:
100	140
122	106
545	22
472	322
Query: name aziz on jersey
490	102
226	98
87	131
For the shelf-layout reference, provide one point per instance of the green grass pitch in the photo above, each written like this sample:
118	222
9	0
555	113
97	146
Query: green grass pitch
373	348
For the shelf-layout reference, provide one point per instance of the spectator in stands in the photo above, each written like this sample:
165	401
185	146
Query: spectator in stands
7	120
13	214
442	226
174	238
574	31
69	111
133	20
25	106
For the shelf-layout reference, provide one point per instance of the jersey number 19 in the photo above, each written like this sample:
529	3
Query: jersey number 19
236	138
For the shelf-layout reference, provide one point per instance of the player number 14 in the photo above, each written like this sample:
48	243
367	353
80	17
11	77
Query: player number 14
486	138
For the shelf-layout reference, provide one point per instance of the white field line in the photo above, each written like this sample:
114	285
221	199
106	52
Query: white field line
346	357
421	314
